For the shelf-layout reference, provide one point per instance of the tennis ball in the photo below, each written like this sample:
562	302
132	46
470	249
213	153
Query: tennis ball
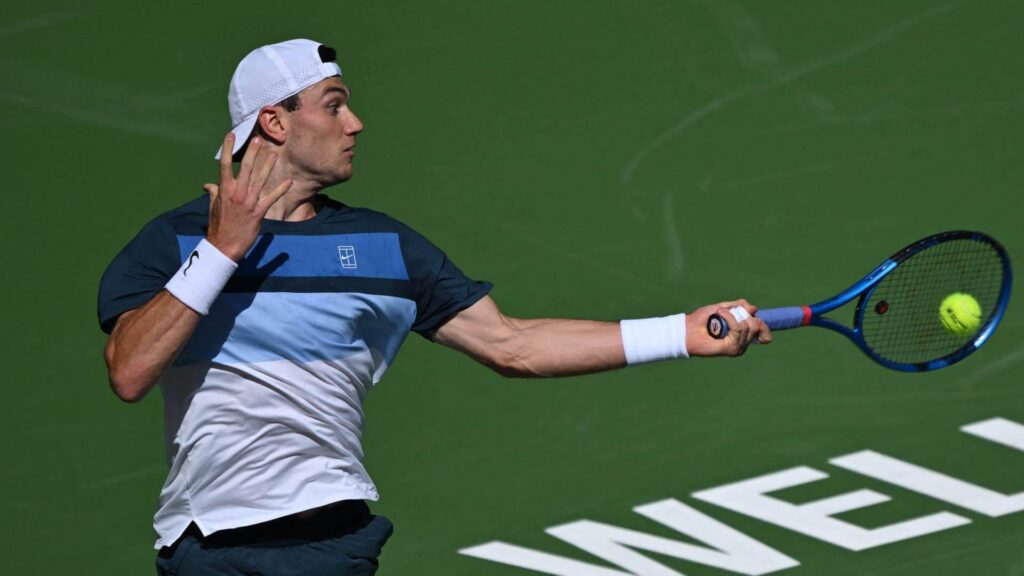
960	314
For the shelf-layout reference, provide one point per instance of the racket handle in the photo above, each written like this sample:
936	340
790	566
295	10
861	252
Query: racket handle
775	318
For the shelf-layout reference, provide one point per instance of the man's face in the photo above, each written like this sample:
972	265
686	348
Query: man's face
322	132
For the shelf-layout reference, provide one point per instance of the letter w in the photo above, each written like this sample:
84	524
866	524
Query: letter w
732	550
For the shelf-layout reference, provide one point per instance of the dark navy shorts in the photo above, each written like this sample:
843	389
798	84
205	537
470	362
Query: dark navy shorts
340	540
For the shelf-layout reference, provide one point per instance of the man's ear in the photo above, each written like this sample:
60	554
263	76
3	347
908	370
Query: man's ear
273	124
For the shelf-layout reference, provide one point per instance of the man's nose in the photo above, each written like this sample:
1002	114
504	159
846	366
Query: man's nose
354	125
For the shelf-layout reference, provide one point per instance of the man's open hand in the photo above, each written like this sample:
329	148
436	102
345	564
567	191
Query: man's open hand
238	204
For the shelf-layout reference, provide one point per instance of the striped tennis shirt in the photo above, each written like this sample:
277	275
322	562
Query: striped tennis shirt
263	406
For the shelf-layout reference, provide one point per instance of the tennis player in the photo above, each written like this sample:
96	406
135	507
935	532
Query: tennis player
266	311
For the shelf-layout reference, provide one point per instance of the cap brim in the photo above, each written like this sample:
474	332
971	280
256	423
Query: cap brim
242	133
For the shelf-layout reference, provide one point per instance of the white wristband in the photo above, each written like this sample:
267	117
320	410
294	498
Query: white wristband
654	339
201	277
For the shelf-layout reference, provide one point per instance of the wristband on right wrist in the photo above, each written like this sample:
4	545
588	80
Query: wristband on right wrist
202	277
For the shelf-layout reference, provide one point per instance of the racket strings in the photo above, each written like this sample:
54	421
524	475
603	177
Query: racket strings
901	320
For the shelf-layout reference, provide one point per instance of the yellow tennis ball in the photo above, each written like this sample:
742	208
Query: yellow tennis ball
960	314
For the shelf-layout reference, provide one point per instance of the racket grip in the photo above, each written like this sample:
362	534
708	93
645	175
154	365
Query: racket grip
775	318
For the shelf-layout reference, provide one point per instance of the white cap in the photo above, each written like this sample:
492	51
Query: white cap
271	73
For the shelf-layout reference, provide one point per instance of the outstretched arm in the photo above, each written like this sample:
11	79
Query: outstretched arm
555	347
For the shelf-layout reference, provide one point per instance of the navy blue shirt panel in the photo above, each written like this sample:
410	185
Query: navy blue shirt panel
138	272
429	278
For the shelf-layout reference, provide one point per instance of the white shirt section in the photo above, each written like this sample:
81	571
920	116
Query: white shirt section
261	444
252	436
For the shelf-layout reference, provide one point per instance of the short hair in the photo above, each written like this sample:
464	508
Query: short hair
291	103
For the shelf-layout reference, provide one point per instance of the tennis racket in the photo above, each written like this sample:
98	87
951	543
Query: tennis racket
896	321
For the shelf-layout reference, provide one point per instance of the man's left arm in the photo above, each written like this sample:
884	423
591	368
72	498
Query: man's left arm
558	347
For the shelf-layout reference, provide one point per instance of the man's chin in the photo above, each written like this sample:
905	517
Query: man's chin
342	176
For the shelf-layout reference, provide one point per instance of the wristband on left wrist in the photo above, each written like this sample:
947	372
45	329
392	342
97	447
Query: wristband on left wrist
202	277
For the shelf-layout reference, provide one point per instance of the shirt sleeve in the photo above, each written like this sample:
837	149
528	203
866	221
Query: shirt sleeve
138	272
442	290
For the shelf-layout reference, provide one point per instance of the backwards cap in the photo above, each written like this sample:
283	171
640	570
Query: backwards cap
271	73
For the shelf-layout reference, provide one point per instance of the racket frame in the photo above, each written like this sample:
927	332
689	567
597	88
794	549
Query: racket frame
813	315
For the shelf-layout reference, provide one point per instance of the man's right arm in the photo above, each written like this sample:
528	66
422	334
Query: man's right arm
146	340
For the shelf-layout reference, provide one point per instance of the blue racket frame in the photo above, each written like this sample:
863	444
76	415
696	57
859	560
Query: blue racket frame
813	315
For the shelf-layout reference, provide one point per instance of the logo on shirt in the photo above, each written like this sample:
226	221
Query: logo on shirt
348	256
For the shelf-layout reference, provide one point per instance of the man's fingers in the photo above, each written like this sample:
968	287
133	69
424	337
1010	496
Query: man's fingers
212	189
735	322
245	170
225	157
261	172
750	308
739	313
743	328
267	201
764	334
